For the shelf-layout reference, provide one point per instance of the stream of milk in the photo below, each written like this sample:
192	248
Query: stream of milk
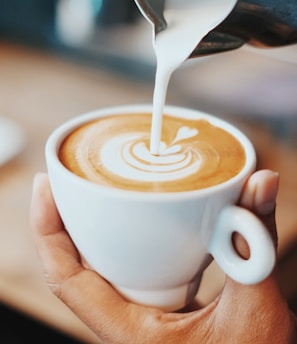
188	22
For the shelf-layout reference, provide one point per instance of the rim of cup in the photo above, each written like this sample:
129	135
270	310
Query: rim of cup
57	136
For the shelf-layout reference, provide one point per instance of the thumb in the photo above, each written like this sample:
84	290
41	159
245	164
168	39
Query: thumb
259	196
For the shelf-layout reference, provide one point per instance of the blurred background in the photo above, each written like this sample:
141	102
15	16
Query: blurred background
60	58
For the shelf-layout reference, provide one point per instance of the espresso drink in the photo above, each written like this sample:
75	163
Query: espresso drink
114	151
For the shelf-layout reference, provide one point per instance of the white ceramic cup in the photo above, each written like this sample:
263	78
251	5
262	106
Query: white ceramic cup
154	247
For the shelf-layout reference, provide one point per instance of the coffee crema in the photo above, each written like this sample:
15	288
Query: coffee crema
115	151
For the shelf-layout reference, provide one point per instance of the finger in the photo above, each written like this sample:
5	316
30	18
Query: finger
52	242
44	215
259	196
260	191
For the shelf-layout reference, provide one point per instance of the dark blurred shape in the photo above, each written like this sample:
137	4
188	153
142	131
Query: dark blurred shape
34	21
28	21
286	270
18	328
114	12
261	23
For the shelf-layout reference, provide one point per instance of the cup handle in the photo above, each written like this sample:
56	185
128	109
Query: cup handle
262	251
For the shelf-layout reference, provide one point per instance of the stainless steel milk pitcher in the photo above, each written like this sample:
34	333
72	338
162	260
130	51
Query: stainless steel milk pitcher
261	23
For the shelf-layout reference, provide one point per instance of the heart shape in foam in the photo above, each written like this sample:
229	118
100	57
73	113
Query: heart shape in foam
185	133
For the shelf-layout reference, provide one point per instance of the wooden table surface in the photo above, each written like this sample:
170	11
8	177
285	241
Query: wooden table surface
40	91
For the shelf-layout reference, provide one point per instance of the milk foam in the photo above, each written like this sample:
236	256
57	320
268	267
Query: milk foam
127	156
114	151
188	22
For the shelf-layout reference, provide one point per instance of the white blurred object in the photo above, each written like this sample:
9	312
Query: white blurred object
245	81
75	21
12	139
285	54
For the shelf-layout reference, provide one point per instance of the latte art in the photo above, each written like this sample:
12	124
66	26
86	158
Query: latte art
114	151
128	156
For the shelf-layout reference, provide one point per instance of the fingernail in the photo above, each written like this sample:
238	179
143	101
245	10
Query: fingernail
266	196
266	208
37	179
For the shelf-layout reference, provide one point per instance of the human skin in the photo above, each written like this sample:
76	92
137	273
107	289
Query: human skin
245	314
